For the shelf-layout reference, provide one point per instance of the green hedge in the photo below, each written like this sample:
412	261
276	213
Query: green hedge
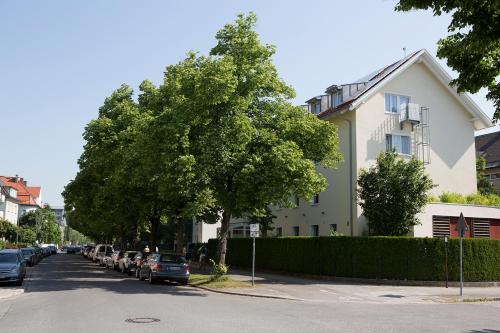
396	258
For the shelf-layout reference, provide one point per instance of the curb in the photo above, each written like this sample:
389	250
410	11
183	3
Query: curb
245	294
386	282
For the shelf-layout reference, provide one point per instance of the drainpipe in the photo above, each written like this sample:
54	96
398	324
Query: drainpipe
351	180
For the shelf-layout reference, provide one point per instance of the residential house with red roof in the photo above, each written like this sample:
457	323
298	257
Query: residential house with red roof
29	197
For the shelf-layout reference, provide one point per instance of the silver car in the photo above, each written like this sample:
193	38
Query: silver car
12	266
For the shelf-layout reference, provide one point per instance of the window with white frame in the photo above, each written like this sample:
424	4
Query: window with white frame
393	102
336	99
400	143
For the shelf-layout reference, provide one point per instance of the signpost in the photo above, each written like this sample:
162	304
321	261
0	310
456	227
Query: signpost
254	232
446	259
461	229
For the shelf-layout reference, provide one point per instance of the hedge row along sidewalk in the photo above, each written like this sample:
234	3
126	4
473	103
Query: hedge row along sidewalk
393	258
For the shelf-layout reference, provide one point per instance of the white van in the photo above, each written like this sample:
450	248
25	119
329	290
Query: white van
100	253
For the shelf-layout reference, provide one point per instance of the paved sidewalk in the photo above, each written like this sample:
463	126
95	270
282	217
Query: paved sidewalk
10	291
335	291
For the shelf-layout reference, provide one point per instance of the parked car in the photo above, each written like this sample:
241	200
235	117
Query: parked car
100	252
46	251
28	256
53	249
125	260
73	249
90	255
108	258
161	267
38	254
86	250
113	261
12	266
135	264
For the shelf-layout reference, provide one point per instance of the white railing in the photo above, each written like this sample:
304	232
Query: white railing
409	112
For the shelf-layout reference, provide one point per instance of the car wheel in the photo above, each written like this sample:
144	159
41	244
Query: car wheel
19	282
150	278
183	282
123	269
141	278
129	272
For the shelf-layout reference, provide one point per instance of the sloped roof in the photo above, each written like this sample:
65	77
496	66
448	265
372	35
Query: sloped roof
488	146
380	77
24	194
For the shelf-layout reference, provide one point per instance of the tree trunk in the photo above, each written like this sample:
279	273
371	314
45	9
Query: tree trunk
179	235
155	224
224	232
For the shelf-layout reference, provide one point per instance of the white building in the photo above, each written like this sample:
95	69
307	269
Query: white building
9	204
408	106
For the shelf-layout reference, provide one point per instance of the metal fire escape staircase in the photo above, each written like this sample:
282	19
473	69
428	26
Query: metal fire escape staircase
418	117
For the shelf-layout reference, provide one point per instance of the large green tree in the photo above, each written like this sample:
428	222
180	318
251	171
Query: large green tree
256	147
392	193
473	48
42	222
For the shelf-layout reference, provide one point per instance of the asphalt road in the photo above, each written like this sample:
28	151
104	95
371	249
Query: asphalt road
67	293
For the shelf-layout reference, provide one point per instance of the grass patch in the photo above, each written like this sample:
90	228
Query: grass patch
209	281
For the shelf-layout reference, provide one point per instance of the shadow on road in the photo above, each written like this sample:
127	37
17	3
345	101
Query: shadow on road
72	272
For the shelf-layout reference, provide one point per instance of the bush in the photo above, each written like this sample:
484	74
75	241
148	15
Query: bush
218	270
471	199
396	258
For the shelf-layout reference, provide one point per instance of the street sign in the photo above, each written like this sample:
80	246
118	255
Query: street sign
462	226
254	227
254	234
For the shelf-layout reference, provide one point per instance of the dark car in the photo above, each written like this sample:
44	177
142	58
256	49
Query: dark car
53	249
28	256
12	266
38	254
161	267
73	249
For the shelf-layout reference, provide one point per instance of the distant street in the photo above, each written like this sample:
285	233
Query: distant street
69	294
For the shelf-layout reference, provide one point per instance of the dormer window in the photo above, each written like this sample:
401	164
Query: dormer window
316	107
336	99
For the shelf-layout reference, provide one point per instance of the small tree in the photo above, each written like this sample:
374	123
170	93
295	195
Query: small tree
484	186
7	230
392	193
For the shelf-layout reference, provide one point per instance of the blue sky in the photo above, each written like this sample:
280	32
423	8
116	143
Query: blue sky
60	59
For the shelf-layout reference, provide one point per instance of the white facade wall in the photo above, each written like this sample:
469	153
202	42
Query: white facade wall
202	232
452	153
334	203
446	209
11	211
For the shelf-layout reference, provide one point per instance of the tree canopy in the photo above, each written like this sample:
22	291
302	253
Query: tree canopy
219	138
473	48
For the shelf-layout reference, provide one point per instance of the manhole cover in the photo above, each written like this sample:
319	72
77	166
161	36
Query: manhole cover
142	320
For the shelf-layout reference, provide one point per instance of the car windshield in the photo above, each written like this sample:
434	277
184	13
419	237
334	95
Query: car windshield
8	257
172	259
26	252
